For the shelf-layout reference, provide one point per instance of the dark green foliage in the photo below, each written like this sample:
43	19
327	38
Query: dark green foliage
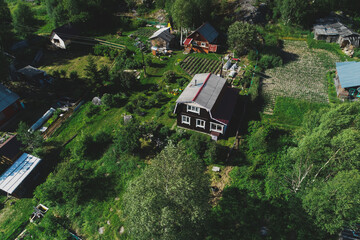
113	100
334	204
91	146
270	61
292	11
181	82
74	75
30	140
49	227
170	199
5	25
127	139
23	20
190	13
126	60
254	88
243	37
102	50
169	77
92	110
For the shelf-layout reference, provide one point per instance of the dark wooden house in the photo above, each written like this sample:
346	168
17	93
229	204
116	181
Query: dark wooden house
206	105
162	38
9	104
202	40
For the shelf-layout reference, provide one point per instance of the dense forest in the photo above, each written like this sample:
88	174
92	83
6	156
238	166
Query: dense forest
147	180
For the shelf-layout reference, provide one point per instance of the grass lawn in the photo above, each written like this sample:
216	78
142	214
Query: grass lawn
290	111
303	75
70	60
13	216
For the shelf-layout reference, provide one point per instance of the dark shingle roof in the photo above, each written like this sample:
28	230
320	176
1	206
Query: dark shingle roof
208	32
332	27
349	74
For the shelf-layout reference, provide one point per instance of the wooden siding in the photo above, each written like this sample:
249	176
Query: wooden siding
204	115
9	112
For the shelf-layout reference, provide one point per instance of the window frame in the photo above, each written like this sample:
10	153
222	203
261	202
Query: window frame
185	122
203	44
199	125
216	126
193	109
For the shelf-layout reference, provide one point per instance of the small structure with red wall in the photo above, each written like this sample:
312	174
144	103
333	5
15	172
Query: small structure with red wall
9	104
203	39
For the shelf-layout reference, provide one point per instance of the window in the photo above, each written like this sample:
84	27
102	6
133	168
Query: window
200	123
203	44
185	119
216	127
193	109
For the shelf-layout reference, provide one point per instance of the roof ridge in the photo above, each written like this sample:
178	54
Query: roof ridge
202	86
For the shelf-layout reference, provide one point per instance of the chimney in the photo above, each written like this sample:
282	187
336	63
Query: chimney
195	82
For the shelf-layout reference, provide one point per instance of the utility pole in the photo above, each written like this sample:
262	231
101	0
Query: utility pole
142	54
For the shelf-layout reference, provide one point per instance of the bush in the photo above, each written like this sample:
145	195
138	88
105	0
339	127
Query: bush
112	100
138	23
181	81
74	75
254	88
92	110
357	53
169	77
270	61
102	50
130	107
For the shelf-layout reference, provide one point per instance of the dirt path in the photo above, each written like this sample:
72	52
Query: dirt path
219	182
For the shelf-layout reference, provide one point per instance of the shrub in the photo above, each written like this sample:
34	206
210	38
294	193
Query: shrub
63	73
270	61
92	110
181	81
169	77
138	23
130	107
74	75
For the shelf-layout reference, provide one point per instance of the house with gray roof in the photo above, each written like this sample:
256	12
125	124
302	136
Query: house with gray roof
162	38
9	104
202	40
332	30
206	105
347	80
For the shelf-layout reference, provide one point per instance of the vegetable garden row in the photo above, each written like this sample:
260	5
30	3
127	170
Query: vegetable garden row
193	65
144	32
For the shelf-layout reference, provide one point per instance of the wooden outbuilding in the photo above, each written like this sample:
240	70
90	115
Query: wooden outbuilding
9	104
162	38
61	37
332	30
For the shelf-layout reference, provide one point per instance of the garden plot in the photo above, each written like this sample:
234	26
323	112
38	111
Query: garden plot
302	77
145	32
193	65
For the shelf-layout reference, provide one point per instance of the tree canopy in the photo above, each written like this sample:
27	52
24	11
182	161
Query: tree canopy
23	19
170	199
242	37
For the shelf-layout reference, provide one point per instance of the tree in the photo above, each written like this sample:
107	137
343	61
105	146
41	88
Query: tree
335	204
5	24
292	11
31	140
23	19
242	37
170	199
128	138
93	73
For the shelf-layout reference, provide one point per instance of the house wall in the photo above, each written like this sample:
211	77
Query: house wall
159	42
9	112
57	41
196	43
204	115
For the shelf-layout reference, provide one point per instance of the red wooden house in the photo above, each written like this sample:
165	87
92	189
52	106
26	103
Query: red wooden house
203	39
9	104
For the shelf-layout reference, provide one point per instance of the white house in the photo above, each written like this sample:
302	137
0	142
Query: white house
61	36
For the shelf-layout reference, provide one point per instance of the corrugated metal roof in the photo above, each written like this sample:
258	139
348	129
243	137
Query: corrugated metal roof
349	74
163	33
17	173
7	97
208	32
206	92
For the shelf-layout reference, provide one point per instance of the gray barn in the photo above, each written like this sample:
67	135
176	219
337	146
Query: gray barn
332	30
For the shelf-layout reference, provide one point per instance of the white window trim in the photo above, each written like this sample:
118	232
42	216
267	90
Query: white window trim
193	109
203	44
185	122
215	129
199	125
